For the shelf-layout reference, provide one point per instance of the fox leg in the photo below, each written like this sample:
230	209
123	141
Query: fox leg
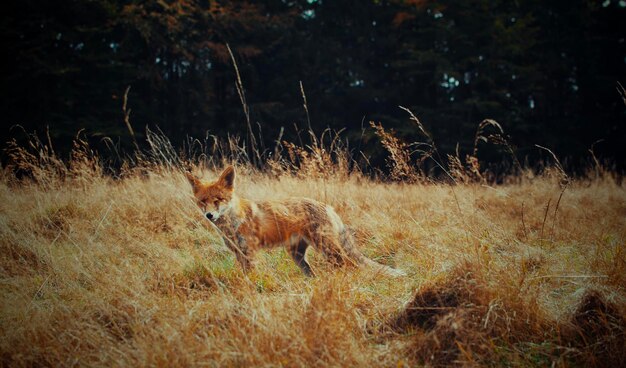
246	262
244	253
337	247
298	252
330	247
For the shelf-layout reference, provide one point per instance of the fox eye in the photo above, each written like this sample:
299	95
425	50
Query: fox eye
216	202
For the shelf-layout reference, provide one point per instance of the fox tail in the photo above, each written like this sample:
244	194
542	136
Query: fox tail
348	244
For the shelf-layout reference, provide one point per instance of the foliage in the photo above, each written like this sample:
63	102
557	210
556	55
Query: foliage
545	71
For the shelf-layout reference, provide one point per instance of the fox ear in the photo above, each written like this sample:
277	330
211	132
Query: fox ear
227	178
195	182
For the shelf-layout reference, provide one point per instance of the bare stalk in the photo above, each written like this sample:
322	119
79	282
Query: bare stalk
565	180
246	109
556	209
621	91
596	163
545	216
127	112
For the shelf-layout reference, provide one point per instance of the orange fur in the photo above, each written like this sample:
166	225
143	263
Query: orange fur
294	223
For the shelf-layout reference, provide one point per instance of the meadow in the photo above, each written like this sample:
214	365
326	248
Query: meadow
122	270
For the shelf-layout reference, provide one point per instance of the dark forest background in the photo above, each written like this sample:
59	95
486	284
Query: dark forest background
547	71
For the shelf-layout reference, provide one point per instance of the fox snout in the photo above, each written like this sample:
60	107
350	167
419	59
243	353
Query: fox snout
212	216
212	213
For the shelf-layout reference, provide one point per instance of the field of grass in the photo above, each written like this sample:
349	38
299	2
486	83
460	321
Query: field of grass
97	271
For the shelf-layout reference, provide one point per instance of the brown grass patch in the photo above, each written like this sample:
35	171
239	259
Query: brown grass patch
103	272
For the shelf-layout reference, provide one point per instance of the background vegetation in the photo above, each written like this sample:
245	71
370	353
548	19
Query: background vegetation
546	71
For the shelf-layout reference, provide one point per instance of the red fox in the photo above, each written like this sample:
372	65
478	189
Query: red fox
295	224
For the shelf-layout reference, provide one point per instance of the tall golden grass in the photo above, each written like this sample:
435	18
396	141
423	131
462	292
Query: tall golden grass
120	270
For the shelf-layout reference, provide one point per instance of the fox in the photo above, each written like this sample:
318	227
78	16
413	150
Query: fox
293	223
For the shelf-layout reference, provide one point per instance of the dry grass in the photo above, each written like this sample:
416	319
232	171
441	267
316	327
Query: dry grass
97	271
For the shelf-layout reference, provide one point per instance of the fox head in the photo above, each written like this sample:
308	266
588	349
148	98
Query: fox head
214	198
